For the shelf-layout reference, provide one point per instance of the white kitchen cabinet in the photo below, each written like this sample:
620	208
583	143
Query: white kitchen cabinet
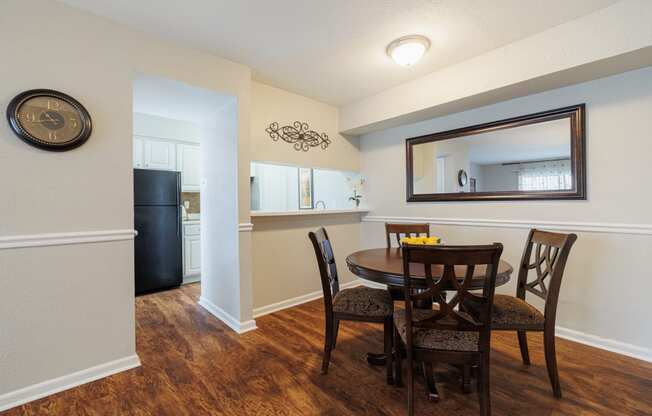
188	164
153	153
138	153
192	256
191	250
160	154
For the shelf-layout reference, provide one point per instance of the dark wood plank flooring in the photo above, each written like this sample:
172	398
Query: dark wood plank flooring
195	365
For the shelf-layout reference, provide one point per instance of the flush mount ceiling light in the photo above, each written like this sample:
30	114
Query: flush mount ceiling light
408	50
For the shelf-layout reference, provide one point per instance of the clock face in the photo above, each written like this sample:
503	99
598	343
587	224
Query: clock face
49	120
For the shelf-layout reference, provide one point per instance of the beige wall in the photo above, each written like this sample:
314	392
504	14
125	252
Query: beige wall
271	104
284	264
84	291
608	280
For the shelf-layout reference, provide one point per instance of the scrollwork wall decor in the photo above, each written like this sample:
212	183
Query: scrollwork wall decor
299	135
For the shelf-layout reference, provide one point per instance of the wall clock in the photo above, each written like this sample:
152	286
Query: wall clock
462	177
49	120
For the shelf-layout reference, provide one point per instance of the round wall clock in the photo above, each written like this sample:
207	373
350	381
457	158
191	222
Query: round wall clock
462	177
49	120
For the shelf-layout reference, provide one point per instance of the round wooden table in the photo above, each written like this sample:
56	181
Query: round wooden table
385	265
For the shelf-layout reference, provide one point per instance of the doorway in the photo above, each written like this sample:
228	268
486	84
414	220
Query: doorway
190	133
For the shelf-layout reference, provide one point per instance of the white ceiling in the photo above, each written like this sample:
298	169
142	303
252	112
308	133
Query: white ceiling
334	50
172	99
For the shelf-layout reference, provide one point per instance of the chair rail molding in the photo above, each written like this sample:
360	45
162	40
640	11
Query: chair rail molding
60	239
595	227
245	226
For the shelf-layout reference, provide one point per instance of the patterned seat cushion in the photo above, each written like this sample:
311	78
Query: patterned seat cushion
511	312
435	339
364	301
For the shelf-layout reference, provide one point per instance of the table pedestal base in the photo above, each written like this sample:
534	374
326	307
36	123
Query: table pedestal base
433	394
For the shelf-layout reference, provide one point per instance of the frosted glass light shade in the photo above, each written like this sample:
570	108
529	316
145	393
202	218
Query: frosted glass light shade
408	50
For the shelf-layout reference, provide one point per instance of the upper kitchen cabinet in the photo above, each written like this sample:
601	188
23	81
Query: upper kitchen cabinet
163	143
188	165
160	154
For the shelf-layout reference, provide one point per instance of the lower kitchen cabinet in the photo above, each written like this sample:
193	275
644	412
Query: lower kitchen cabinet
191	250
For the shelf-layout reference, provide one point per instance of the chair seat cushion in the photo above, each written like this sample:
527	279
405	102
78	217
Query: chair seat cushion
364	301
435	339
511	312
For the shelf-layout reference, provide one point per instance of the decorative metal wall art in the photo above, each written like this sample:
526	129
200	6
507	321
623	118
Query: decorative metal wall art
298	134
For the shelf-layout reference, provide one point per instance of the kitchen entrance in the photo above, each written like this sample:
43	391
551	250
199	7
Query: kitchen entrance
184	147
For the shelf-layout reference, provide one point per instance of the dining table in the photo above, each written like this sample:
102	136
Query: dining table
385	266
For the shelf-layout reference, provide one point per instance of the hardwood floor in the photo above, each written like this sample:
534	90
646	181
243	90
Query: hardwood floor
195	365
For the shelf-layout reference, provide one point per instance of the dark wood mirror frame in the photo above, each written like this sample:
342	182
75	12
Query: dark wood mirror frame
575	113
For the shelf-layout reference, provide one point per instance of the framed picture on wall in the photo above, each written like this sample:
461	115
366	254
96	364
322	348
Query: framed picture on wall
306	199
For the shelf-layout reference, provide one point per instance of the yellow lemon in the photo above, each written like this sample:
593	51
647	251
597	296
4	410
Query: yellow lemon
429	241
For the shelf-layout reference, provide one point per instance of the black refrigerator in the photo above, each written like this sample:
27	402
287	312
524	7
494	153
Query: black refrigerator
157	219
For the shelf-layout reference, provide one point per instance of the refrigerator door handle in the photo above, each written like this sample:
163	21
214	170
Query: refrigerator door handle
178	220
178	204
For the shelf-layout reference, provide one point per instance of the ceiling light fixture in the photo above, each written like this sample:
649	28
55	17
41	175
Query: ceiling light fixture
408	50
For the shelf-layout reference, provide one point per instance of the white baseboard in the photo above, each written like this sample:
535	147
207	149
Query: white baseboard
618	347
230	321
56	385
308	297
612	345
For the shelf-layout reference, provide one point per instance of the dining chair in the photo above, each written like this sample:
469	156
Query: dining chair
397	231
361	303
546	253
404	230
450	332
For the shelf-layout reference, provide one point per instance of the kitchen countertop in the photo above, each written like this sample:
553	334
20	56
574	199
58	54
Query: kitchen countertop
255	214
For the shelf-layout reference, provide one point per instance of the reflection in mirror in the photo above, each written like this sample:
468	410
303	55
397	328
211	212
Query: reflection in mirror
519	160
535	157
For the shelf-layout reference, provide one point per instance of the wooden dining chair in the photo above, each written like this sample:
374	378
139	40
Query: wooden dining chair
546	253
361	303
450	332
396	232
399	231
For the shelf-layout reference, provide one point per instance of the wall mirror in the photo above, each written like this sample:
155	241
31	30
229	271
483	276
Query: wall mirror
537	156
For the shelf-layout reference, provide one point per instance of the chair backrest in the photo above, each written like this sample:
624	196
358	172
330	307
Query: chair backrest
454	267
326	263
546	253
405	230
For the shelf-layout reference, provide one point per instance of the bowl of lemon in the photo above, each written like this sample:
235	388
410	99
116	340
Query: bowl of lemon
423	241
